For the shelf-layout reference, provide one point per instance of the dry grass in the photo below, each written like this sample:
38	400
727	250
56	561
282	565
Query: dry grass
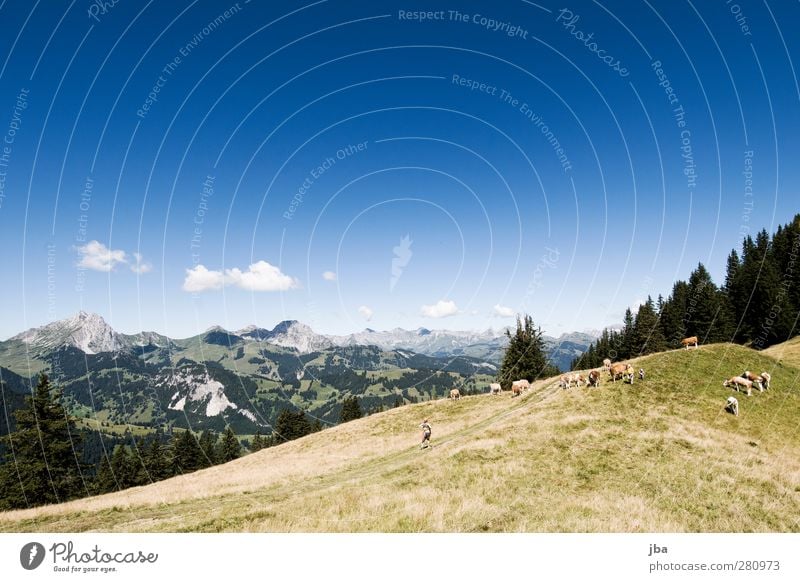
656	456
788	352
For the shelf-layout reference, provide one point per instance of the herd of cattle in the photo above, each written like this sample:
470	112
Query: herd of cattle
626	372
745	383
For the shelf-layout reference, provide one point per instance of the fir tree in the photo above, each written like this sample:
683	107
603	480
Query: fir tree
647	335
123	467
626	349
229	447
525	355
42	454
291	425
156	460
257	443
351	410
673	315
187	455
104	481
208	448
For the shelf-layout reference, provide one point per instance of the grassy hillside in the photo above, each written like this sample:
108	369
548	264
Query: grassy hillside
660	455
787	352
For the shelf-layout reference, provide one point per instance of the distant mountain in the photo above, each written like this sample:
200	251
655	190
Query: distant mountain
86	331
487	345
244	378
568	346
92	335
241	379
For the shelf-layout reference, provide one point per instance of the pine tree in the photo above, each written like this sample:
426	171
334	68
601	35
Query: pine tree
525	355
626	349
137	454
351	410
229	447
41	464
647	335
187	455
123	467
673	313
291	425
104	481
257	443
208	448
156	460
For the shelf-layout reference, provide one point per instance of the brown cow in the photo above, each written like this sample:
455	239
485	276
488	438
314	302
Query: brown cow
689	341
737	382
748	375
628	374
618	369
523	384
594	378
515	390
455	394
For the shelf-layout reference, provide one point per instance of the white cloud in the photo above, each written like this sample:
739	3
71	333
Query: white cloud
501	311
201	279
98	257
260	276
329	276
366	312
140	266
440	309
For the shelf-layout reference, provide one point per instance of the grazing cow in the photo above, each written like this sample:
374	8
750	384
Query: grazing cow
455	394
516	390
523	384
495	388
748	375
607	364
567	380
618	369
737	382
686	342
628	374
594	378
765	380
732	406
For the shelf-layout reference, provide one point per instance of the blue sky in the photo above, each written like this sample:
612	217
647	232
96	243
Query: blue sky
177	165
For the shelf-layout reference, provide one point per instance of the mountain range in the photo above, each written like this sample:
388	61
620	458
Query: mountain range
244	377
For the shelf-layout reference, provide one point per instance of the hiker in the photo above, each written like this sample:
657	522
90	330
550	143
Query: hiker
426	434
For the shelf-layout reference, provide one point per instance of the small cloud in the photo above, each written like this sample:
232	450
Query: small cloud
98	257
329	276
260	276
502	311
366	312
140	266
201	279
440	309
